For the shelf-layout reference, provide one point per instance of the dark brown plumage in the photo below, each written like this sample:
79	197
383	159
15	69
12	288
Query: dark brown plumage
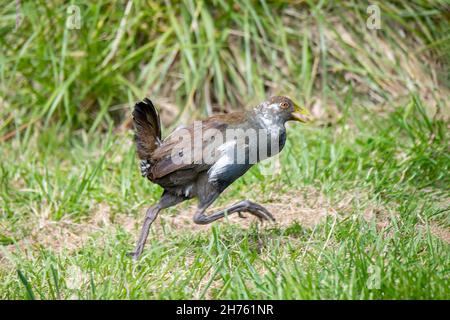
147	128
179	162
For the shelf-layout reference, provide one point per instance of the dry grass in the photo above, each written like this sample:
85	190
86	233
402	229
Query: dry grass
197	58
68	236
441	232
365	186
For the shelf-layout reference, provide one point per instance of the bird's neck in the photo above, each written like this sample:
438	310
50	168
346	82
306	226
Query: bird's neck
274	129
268	121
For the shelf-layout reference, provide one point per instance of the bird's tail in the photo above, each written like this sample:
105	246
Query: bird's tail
147	128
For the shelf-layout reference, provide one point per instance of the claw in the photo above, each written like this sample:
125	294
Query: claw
261	212
267	212
267	217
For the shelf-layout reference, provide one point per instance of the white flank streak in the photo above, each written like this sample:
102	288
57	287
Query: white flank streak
226	158
188	190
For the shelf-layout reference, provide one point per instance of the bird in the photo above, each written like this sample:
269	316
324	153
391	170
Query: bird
201	160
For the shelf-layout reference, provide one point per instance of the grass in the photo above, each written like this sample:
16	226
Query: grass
363	196
72	255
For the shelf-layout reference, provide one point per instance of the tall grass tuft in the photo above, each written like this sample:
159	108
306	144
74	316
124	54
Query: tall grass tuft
200	57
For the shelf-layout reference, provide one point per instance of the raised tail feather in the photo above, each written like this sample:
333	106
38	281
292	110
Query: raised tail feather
147	128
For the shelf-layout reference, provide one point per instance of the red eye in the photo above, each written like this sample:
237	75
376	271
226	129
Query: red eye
284	105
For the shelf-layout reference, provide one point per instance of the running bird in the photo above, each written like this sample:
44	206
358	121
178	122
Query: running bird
201	161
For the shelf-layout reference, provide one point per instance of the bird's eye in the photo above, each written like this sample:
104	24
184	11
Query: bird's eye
284	105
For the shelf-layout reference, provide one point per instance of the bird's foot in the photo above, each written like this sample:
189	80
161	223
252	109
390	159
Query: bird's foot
133	255
258	210
145	168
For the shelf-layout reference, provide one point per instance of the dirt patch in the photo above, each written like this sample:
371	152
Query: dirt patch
440	232
308	208
286	210
62	235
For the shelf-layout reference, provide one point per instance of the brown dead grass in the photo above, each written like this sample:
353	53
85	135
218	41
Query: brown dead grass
440	232
308	208
69	235
309	211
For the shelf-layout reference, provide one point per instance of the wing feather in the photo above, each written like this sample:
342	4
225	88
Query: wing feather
167	158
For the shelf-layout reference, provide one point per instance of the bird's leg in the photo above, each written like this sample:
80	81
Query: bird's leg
243	206
167	200
241	215
150	216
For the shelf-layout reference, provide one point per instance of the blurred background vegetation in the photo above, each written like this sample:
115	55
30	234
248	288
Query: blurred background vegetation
365	188
200	57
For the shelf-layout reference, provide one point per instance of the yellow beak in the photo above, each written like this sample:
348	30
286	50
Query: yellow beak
301	114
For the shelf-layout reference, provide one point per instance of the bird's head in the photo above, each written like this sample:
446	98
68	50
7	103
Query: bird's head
282	109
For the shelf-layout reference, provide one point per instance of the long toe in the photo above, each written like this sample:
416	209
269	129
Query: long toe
240	215
267	215
259	214
267	212
261	211
256	213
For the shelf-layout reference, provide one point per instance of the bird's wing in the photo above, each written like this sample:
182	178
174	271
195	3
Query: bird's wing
227	167
183	149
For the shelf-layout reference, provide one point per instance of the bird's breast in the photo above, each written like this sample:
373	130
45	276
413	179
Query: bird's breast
271	142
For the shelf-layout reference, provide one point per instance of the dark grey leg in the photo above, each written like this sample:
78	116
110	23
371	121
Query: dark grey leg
167	200
242	206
